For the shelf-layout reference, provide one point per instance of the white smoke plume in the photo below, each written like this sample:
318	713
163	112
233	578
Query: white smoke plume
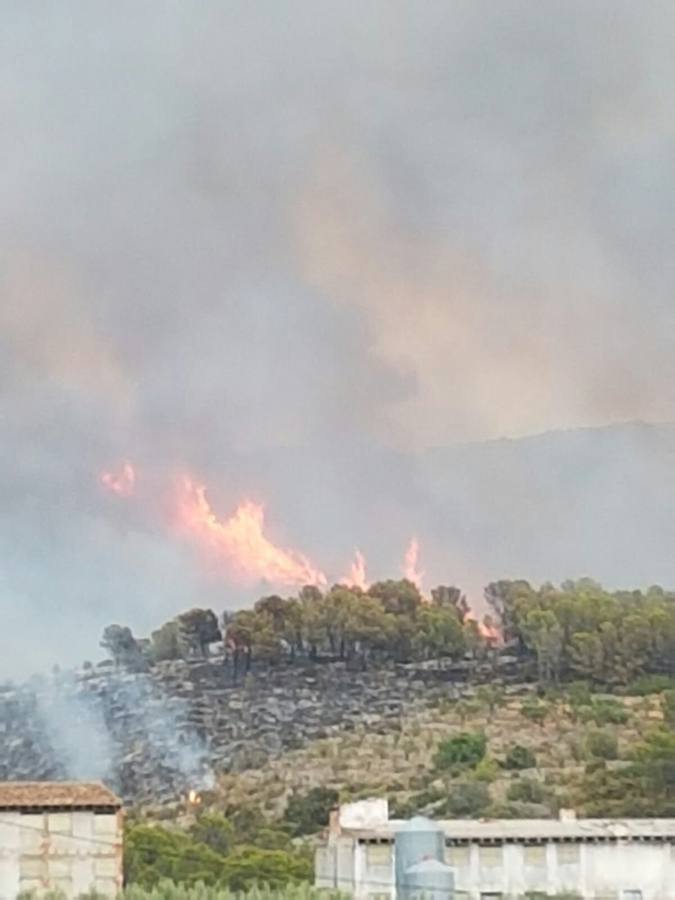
116	727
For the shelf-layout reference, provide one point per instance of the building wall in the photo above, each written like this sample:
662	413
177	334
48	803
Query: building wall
69	851
603	871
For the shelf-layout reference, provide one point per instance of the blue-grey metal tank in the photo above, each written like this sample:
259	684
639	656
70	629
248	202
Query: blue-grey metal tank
430	880
415	841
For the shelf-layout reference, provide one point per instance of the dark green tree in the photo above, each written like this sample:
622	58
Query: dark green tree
247	867
197	628
152	853
526	790
214	830
467	799
464	750
308	813
518	757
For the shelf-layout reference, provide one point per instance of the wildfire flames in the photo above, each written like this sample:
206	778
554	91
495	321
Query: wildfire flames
490	631
240	547
122	482
356	577
240	541
487	629
411	568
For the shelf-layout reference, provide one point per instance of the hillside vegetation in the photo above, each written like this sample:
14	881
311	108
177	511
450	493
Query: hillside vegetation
495	753
586	719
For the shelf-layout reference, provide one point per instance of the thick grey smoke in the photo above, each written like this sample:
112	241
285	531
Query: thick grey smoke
300	248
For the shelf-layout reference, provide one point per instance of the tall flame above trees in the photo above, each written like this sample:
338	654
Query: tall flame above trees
239	547
356	577
240	543
411	569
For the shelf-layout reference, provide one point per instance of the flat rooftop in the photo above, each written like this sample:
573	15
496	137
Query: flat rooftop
531	830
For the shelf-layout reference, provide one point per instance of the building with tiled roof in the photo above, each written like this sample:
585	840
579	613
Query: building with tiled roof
59	835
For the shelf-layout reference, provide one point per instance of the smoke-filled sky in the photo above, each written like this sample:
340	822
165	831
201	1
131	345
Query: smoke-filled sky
293	248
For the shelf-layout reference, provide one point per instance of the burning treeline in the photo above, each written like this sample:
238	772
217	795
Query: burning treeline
353	617
391	621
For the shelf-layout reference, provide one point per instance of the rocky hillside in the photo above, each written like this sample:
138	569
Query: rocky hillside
182	724
536	757
422	736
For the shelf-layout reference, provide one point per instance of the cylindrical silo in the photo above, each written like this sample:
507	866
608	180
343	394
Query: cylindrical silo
430	880
416	840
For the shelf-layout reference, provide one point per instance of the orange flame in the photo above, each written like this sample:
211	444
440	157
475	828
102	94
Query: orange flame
410	564
486	628
356	577
489	631
122	483
241	543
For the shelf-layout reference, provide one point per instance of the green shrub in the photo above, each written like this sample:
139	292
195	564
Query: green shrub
247	821
247	866
602	744
168	890
668	707
518	810
526	790
579	693
467	799
650	684
604	712
214	830
487	770
465	750
519	757
152	853
308	813
402	809
274	839
534	711
424	798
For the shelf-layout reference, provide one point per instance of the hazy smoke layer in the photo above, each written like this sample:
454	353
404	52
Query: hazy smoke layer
292	247
117	728
75	729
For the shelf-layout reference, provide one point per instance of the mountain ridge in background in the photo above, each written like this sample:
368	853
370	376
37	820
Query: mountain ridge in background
587	501
598	501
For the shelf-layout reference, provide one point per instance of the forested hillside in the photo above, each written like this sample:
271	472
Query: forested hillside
575	631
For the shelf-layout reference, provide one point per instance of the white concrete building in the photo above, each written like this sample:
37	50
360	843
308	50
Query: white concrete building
65	836
599	859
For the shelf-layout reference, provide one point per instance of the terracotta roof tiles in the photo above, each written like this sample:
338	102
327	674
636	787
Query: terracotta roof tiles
56	794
